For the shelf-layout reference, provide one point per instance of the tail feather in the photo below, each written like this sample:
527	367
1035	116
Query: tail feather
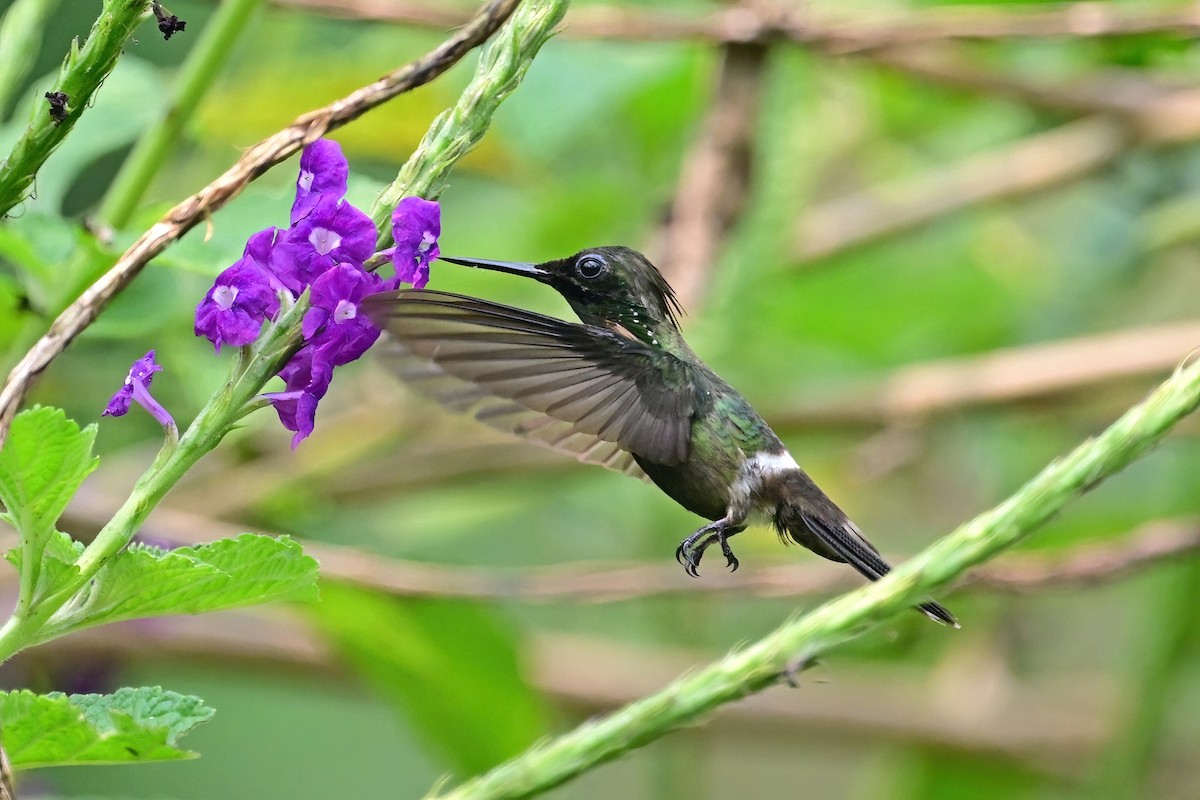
848	544
810	518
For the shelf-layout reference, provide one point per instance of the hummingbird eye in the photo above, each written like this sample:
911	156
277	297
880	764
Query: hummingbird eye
590	266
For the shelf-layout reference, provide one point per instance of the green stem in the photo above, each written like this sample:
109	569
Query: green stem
84	69
196	77
502	65
21	32
215	420
763	663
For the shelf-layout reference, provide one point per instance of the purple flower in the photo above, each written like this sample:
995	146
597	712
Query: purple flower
324	251
242	298
323	171
416	226
333	232
137	389
335	334
307	378
333	326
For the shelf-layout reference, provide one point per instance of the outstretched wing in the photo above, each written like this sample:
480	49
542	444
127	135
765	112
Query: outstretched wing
576	388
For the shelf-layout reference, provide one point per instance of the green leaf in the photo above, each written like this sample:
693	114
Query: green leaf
128	726
58	561
144	581
450	665
43	463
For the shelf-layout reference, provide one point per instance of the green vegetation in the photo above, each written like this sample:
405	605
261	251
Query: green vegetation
937	246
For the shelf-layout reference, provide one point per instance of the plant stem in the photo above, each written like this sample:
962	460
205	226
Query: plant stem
502	65
207	430
84	69
798	641
196	77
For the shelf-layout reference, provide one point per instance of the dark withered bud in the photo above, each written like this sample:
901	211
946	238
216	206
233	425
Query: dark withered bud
168	24
58	106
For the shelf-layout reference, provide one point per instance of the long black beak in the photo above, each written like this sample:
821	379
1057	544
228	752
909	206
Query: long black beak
511	267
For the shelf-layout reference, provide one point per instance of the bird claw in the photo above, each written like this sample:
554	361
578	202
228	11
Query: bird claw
689	558
691	549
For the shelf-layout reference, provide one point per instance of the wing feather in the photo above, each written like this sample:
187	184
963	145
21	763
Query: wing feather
576	388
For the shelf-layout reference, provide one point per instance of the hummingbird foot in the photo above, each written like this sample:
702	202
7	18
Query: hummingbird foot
691	549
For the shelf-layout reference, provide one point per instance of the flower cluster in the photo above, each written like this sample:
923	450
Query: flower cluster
325	250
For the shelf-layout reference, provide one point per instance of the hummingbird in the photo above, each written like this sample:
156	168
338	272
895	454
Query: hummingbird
620	388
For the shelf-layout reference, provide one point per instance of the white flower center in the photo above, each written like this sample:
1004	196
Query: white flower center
224	296
324	240
345	310
427	240
306	180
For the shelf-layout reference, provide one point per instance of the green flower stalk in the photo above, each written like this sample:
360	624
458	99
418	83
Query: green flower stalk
798	642
502	66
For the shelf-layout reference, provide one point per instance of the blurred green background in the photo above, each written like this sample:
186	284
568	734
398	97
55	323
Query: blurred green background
859	211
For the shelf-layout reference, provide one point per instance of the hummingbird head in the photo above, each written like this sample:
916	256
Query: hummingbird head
613	287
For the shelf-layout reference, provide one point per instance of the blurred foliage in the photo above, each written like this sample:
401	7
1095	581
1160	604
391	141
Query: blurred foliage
589	152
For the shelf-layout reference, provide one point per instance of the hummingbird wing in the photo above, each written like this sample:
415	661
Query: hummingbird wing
577	388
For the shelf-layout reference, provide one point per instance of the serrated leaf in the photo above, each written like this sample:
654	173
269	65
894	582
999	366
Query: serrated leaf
60	547
452	666
128	726
58	561
145	581
45	459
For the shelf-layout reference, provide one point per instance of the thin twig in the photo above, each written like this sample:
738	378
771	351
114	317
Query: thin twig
1125	94
257	160
349	463
1088	564
743	25
6	778
715	181
1005	375
1123	112
347	460
1037	162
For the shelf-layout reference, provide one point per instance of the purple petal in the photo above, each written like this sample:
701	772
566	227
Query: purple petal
333	325
142	372
323	171
332	233
416	226
240	300
118	406
307	378
137	388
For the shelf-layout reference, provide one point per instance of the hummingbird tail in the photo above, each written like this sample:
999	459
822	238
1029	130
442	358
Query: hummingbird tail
820	526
